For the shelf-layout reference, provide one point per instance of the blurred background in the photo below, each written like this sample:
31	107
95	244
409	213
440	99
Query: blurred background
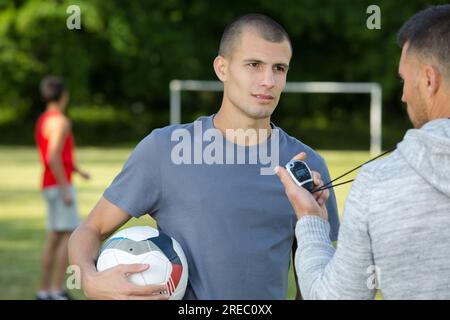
118	66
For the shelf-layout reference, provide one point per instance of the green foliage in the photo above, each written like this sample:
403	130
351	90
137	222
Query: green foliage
127	52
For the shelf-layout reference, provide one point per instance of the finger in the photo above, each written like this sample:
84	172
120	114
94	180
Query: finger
151	289
284	176
128	269
323	197
317	179
301	156
317	195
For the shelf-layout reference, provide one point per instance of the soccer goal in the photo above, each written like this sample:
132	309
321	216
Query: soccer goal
374	89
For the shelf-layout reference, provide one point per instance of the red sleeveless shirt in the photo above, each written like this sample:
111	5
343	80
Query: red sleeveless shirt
48	179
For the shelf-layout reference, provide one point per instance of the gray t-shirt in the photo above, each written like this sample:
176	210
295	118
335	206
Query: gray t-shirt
235	225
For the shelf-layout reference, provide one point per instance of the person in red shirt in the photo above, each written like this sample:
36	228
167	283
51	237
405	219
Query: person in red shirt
55	144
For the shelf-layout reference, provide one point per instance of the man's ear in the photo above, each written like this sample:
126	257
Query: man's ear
433	78
220	67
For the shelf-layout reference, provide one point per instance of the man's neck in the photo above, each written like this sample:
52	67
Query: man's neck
441	109
53	107
225	120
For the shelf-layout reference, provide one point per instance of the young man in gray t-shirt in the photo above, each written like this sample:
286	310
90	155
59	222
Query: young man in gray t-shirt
210	184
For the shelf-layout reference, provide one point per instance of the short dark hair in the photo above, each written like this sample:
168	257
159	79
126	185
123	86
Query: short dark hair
52	88
428	33
266	27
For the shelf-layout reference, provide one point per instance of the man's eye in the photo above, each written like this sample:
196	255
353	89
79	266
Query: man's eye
254	64
280	69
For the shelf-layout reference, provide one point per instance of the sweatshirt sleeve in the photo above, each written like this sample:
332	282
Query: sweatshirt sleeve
344	273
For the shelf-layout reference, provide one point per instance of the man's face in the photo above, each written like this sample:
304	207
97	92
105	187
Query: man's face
409	71
255	74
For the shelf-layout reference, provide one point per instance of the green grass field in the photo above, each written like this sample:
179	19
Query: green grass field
22	210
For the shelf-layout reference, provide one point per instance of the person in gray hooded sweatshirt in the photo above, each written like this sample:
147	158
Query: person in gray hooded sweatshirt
395	230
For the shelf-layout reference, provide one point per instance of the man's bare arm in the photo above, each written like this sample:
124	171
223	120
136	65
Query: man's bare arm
56	130
84	245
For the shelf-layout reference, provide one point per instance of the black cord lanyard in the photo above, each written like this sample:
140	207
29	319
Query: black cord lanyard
330	185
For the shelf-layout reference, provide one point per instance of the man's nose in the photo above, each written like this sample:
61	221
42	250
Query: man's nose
269	79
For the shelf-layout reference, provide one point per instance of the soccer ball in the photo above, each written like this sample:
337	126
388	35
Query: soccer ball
148	245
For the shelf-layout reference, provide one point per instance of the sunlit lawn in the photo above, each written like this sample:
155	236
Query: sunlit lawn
22	218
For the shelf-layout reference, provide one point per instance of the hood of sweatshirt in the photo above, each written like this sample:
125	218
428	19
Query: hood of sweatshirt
427	151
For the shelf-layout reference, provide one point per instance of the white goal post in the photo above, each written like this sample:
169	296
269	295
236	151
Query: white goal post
374	89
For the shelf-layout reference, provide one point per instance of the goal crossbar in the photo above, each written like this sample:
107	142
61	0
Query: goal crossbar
372	88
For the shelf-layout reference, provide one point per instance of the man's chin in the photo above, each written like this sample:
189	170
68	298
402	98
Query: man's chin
260	113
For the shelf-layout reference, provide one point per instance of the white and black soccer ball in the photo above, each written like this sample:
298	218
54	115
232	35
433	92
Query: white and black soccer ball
148	245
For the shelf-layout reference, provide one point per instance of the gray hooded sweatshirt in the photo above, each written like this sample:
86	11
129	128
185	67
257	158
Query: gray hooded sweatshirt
395	233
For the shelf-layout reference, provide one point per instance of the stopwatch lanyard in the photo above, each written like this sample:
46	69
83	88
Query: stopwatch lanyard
330	185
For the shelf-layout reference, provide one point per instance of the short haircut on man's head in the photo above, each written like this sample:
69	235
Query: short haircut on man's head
428	33
52	88
266	27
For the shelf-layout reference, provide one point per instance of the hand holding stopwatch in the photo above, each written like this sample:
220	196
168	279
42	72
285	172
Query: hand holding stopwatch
301	174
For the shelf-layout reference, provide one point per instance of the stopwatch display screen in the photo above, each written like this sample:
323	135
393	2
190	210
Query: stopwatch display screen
302	173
